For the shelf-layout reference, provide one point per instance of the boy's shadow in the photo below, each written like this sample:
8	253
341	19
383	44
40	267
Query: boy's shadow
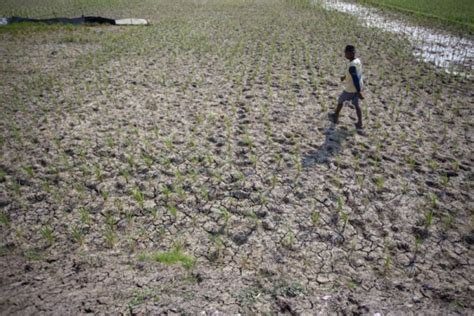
331	147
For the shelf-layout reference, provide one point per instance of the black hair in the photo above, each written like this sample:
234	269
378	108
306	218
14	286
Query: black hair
350	49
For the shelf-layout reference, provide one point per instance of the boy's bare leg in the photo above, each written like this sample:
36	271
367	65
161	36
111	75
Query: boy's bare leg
359	116
335	116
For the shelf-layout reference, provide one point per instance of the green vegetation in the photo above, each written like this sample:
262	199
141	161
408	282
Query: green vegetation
47	233
170	258
5	219
315	216
455	11
138	196
77	235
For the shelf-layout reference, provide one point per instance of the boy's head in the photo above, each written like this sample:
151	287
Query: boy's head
350	52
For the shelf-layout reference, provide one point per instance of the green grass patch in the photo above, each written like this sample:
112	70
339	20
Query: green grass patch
453	11
170	258
31	27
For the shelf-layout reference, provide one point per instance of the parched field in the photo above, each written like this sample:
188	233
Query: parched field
189	166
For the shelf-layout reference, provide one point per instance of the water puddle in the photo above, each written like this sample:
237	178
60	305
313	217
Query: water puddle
450	52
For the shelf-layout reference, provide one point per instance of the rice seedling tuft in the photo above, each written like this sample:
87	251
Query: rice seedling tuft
315	216
5	219
176	255
47	233
138	196
77	235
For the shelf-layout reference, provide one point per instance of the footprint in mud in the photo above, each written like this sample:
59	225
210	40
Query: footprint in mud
332	145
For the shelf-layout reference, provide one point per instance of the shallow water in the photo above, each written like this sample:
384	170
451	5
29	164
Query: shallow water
450	52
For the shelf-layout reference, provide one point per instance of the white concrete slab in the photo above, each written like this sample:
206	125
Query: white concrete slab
131	22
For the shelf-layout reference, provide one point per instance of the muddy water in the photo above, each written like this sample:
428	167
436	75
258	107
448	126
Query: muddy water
453	53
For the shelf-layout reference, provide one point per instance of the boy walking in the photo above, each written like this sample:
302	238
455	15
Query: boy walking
353	84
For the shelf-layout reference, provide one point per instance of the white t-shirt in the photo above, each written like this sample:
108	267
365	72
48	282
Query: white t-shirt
348	82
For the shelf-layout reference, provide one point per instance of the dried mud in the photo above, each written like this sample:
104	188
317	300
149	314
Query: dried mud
209	130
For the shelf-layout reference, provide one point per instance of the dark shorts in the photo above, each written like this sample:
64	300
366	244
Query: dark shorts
348	96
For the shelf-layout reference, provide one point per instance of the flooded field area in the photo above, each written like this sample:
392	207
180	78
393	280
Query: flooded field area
453	53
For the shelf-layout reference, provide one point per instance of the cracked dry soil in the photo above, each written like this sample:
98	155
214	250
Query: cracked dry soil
209	130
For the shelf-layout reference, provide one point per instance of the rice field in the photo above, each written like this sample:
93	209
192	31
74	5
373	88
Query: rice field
190	167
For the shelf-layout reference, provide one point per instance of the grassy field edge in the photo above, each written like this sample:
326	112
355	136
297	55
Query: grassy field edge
459	25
